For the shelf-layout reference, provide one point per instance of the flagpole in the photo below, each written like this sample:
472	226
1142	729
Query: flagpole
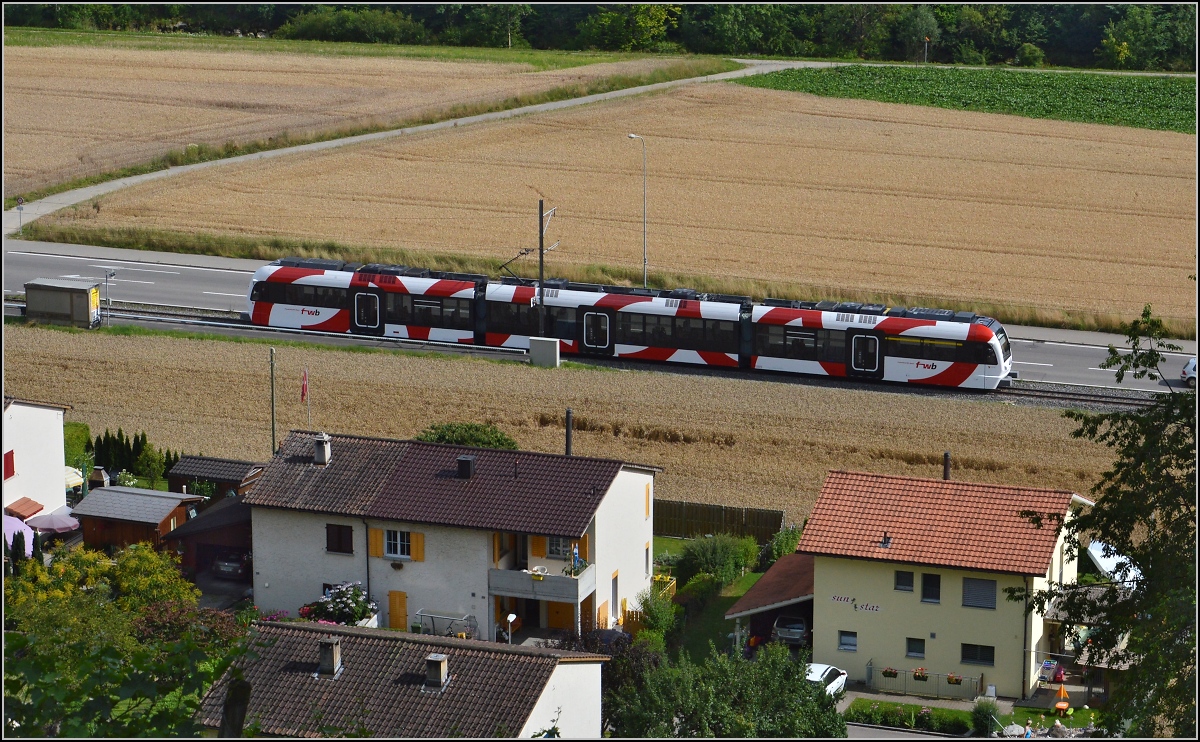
309	395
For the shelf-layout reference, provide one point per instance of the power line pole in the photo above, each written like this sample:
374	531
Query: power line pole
272	401
541	271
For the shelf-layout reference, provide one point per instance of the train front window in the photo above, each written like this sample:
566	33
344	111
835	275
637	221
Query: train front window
1004	346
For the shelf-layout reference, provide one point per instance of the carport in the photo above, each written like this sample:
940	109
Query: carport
785	590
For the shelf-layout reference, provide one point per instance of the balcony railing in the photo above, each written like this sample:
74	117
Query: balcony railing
517	583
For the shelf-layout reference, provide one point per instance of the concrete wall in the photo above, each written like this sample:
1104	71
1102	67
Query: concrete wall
35	436
571	699
291	564
885	617
623	528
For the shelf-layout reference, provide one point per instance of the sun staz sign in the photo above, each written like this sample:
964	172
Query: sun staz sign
869	607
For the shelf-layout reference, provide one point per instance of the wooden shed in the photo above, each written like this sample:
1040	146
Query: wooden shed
119	516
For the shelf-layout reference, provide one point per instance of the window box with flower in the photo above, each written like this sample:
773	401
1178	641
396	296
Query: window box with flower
890	672
920	674
953	679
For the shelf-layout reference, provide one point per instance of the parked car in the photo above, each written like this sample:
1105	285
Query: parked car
1188	375
790	630
234	566
828	677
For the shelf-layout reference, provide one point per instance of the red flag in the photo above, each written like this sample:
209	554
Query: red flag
304	386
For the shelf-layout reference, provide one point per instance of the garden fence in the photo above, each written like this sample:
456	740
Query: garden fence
689	519
935	684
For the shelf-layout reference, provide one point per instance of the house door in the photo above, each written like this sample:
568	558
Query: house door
597	331
866	360
366	314
398	610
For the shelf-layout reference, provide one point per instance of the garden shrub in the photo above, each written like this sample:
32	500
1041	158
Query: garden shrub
347	603
365	25
723	556
908	716
982	721
783	542
651	641
659	613
1029	55
699	590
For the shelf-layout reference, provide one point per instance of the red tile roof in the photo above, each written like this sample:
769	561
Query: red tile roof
415	482
24	508
933	522
789	580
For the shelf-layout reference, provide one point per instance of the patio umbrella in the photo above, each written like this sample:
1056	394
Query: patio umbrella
13	526
55	522
1062	687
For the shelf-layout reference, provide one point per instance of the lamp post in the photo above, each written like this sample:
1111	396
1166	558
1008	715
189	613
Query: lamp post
645	261
107	296
511	617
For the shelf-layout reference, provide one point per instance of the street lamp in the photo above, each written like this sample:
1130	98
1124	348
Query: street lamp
108	297
645	262
511	617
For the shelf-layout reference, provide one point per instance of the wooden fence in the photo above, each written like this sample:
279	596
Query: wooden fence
689	519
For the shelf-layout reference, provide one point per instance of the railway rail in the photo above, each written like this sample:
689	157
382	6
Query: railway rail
216	319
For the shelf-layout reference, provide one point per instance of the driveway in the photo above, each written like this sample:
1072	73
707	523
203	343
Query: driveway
218	593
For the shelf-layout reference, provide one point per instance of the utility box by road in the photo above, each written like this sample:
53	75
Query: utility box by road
63	301
544	352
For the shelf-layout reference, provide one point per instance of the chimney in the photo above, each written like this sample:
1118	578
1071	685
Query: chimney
331	656
570	427
185	489
437	671
466	467
322	452
946	466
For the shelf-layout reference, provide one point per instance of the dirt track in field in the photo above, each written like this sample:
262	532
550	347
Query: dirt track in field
827	194
76	111
757	443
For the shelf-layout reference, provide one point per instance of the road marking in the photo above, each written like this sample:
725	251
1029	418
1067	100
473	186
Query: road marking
1031	363
1110	370
1181	354
218	293
113	280
143	270
129	262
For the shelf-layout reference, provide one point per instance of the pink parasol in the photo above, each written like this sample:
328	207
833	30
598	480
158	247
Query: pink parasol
54	522
13	526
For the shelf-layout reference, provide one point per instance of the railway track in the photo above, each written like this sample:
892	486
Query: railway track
231	322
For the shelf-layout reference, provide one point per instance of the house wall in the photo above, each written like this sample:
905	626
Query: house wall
34	435
623	528
571	699
291	564
885	617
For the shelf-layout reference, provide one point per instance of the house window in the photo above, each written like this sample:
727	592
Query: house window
647	560
558	547
931	588
979	593
914	648
397	544
904	581
848	641
339	539
978	654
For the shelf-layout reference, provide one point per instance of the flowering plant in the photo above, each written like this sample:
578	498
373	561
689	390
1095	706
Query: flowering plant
890	672
953	679
344	604
920	674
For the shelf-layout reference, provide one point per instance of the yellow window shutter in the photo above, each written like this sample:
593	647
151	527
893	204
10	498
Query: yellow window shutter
495	548
537	546
583	548
416	546
398	610
647	499
375	542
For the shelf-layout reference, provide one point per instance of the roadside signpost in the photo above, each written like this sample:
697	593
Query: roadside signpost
20	219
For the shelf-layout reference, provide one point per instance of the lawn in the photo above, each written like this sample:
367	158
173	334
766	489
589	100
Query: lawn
1140	101
906	715
1080	718
709	625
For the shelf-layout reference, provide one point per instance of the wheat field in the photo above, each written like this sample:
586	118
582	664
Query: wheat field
758	443
72	111
830	195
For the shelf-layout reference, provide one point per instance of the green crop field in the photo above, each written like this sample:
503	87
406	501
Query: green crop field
1140	101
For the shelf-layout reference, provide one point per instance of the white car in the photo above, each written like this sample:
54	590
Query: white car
1188	375
828	677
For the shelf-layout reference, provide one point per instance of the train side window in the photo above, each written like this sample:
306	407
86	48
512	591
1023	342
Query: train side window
940	350
689	333
832	344
456	314
560	322
658	331
899	347
258	293
801	344
721	335
630	328
397	308
426	312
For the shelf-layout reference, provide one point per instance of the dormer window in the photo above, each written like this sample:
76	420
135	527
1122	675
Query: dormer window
886	542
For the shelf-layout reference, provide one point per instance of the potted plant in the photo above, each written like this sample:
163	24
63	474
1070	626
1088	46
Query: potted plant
953	679
920	674
890	672
346	604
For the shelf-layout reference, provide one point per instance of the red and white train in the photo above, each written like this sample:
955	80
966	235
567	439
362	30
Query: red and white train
909	345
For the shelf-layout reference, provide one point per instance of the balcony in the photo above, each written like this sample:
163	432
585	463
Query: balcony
557	588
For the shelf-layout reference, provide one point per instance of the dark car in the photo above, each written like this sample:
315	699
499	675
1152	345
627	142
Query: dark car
232	566
790	630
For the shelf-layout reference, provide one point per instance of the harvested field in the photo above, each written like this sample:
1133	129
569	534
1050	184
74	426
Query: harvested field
829	198
73	111
756	443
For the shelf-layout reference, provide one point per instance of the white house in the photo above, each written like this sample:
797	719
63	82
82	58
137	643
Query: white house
34	458
401	685
453	538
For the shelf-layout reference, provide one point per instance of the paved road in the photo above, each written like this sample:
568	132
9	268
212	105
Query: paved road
220	283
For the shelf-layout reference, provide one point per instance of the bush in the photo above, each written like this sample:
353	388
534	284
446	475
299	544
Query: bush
1029	55
659	613
347	603
700	589
783	542
468	434
651	641
368	26
722	556
908	716
982	721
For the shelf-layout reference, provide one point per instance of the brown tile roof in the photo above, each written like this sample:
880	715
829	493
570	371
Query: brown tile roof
492	690
24	508
933	522
789	580
225	513
415	482
212	468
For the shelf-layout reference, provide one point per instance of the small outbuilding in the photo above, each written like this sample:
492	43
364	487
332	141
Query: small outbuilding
228	476
221	529
119	516
785	590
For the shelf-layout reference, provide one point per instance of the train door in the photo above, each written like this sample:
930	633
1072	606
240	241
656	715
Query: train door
365	319
596	326
866	356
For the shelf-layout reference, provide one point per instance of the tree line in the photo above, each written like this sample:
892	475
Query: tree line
1132	37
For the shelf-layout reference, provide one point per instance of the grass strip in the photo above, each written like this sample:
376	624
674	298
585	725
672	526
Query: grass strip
270	248
909	716
195	153
709	625
1140	101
